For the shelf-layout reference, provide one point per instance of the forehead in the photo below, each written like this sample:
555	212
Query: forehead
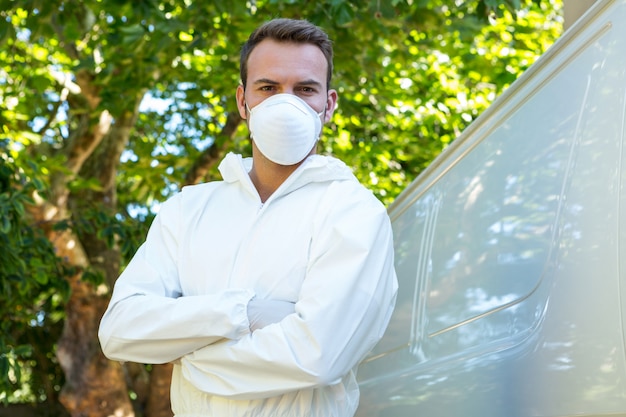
283	61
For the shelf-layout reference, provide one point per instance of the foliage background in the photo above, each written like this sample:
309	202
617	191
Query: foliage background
108	107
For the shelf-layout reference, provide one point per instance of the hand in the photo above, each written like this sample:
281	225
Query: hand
262	313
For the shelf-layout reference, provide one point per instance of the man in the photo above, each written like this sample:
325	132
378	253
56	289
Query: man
268	288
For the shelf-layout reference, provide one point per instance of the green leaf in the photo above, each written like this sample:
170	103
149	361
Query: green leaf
23	351
343	13
132	34
5	225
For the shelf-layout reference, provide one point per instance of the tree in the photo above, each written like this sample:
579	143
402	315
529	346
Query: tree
108	107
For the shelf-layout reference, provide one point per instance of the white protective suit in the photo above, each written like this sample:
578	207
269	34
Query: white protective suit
322	240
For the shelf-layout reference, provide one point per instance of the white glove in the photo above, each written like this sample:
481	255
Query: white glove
265	312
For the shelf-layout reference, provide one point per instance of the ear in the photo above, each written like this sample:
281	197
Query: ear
241	102
331	105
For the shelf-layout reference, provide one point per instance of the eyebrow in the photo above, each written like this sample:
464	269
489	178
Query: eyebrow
309	82
265	81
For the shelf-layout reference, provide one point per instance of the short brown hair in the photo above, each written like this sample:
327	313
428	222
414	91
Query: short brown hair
287	30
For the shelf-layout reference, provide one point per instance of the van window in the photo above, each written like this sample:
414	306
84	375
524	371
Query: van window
498	211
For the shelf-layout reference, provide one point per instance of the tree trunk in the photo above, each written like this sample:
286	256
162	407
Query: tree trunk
48	409
108	394
160	381
95	386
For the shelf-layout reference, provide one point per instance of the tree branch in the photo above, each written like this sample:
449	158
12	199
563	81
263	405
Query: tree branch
83	142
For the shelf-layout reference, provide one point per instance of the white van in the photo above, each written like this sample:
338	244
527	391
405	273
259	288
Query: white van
511	250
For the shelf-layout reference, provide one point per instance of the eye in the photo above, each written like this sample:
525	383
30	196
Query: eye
307	91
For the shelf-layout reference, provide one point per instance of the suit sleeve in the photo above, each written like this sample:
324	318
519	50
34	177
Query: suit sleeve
344	306
148	321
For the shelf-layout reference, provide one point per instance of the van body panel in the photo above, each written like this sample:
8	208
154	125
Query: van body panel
508	250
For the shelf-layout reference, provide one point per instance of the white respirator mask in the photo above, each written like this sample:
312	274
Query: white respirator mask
284	128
